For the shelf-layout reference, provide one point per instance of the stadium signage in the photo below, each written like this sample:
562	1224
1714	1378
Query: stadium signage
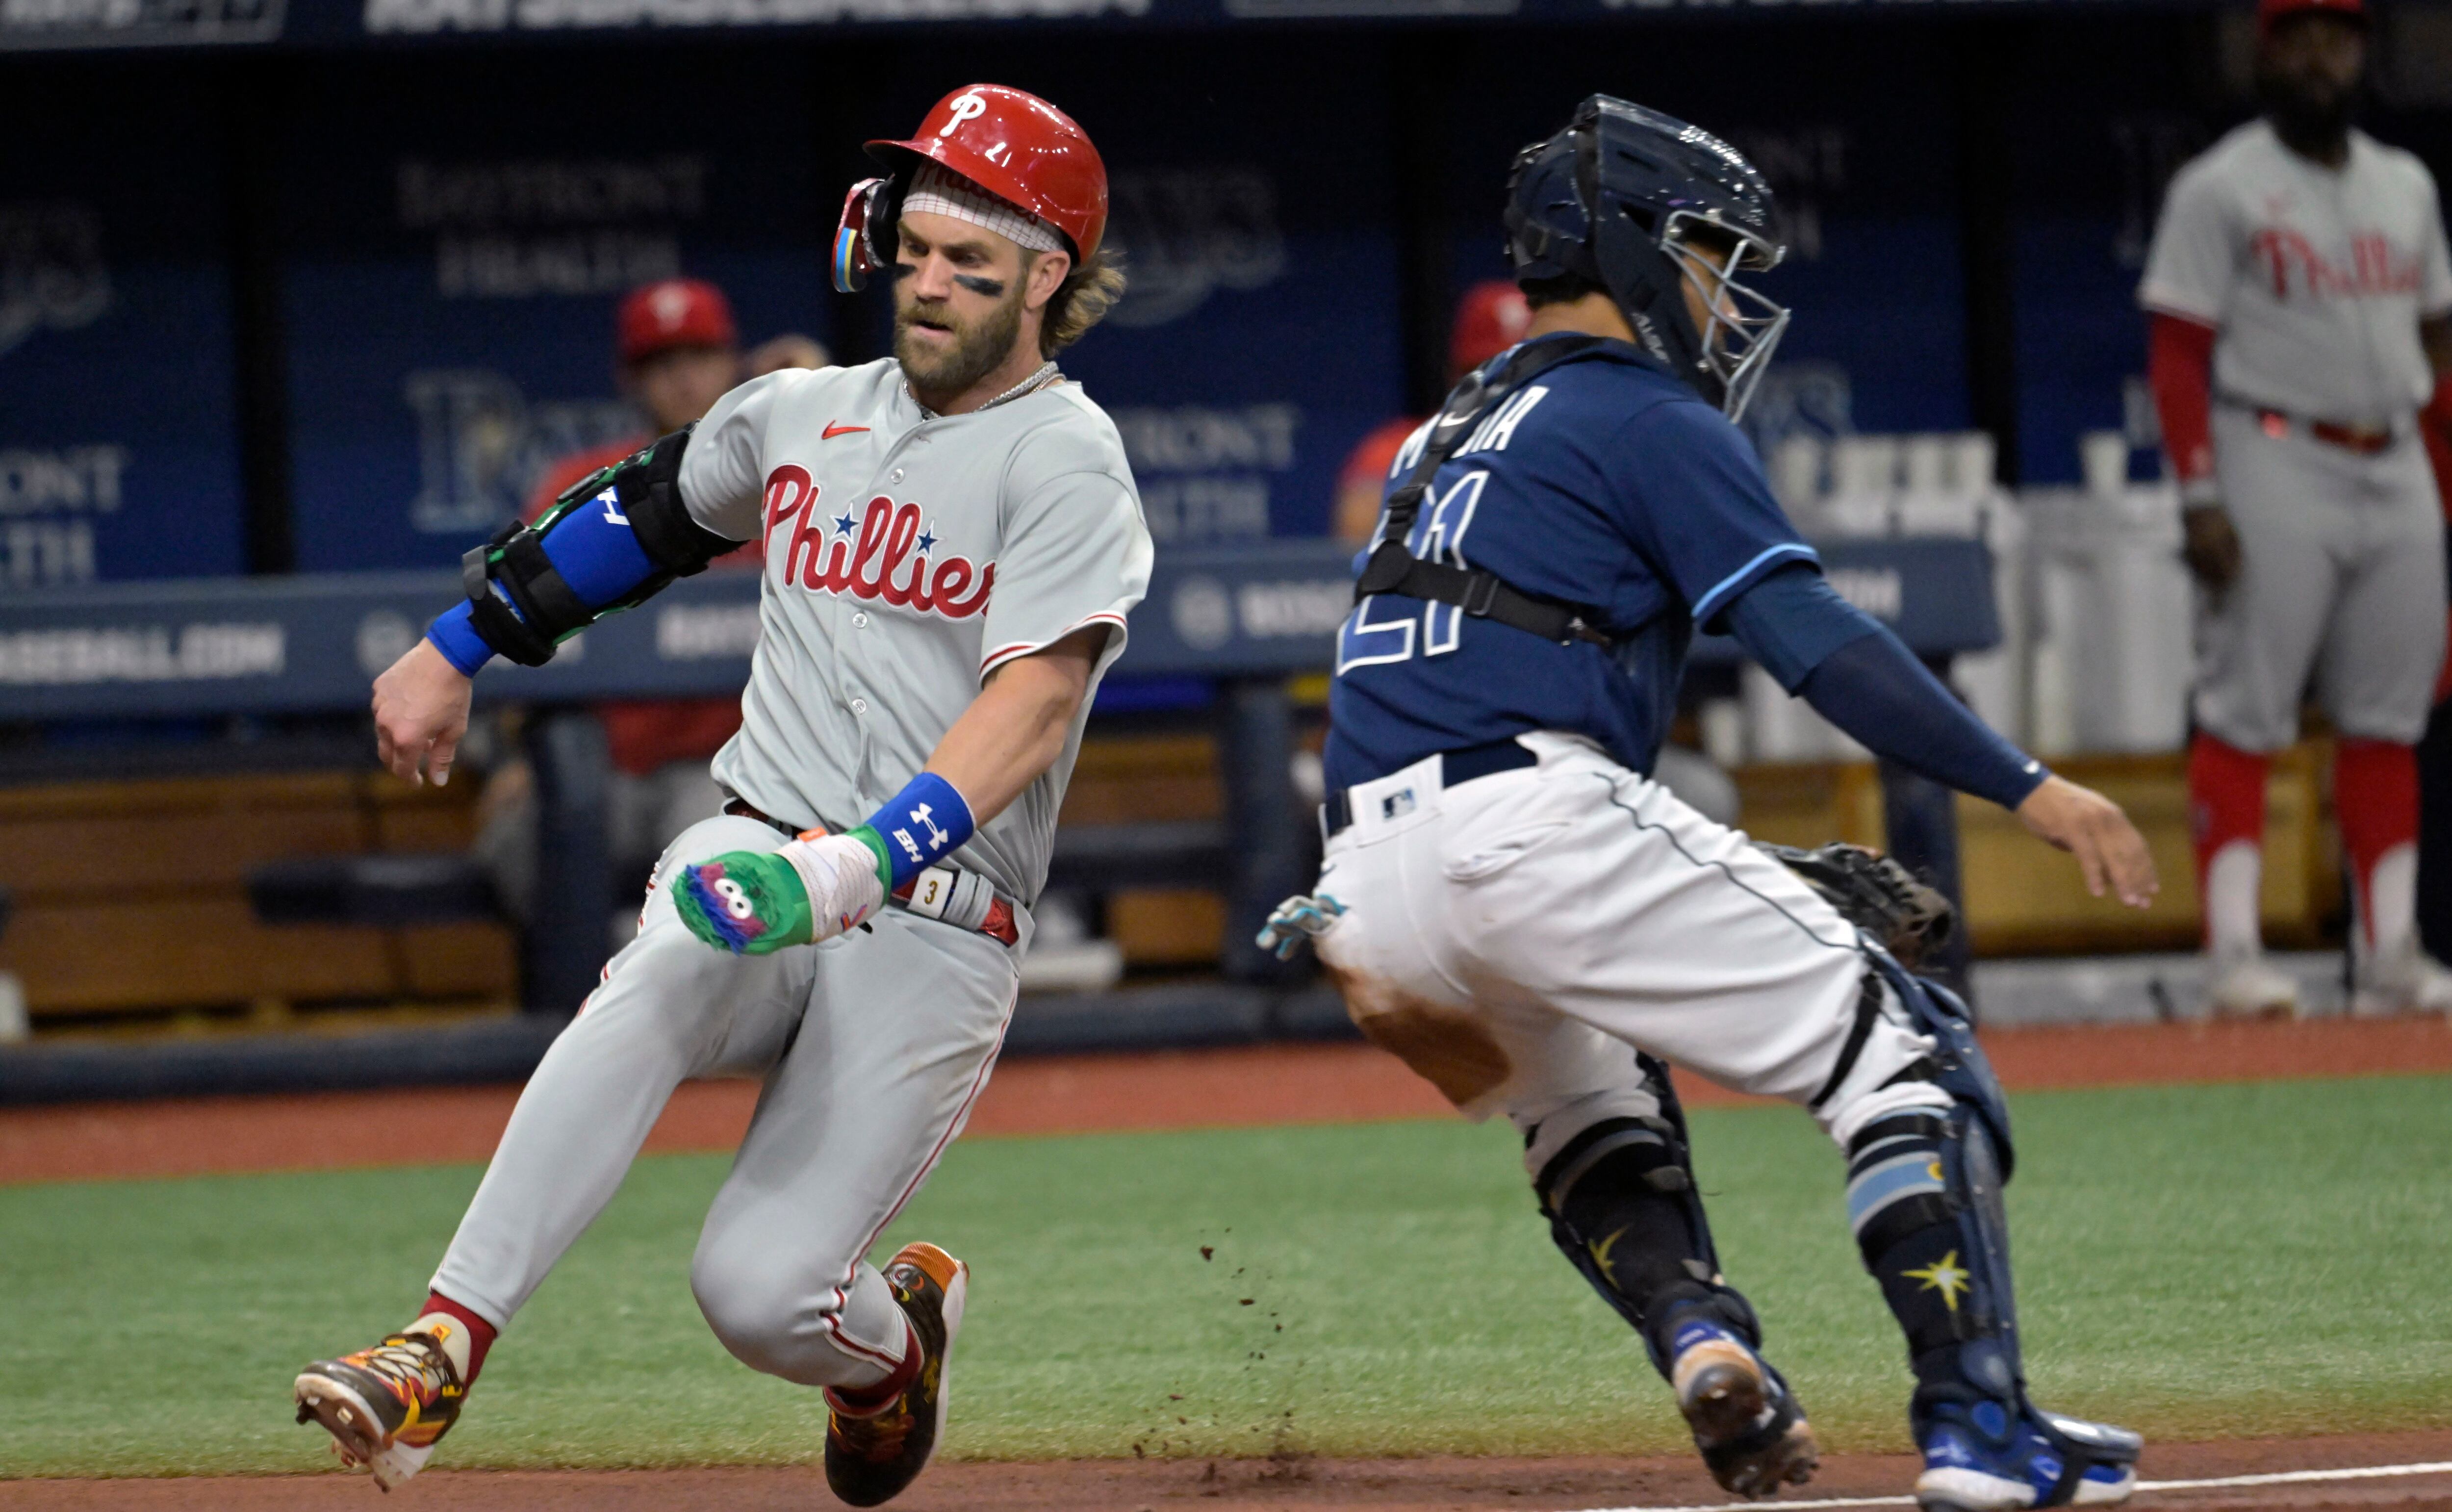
225	646
101	24
425	17
150	653
26	25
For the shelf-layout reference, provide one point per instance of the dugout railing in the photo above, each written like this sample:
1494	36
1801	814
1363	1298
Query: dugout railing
1246	619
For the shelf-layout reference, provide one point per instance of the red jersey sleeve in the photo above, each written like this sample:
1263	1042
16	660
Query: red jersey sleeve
2180	367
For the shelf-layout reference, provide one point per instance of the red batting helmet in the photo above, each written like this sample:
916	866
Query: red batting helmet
1014	145
2269	11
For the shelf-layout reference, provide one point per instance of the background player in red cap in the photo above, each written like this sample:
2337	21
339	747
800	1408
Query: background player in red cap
678	351
2301	307
1490	318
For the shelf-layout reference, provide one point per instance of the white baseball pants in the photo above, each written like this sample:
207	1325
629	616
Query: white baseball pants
1518	937
873	1047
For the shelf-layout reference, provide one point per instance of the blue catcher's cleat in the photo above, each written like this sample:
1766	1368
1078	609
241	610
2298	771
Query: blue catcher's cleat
1978	1457
1752	1434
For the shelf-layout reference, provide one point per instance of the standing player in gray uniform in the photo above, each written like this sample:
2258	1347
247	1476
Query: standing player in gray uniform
2302	312
953	541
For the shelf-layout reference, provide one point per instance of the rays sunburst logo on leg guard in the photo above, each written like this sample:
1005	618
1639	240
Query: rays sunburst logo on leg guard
1946	1276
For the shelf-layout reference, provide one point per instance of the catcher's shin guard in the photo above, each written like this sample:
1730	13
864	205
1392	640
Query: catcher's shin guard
1924	1197
1622	1207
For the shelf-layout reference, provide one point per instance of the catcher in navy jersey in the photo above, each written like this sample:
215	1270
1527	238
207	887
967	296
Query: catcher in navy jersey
1513	905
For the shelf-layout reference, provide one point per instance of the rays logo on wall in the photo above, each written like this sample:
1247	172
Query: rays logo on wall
51	273
482	444
1187	232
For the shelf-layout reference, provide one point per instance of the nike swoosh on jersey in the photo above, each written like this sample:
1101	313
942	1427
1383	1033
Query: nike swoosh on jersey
833	430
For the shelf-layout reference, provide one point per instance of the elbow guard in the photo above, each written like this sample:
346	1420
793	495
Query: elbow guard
520	602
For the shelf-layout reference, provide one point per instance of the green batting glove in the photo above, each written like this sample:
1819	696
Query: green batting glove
752	903
745	903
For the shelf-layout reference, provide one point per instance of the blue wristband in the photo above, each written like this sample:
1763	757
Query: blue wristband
457	640
923	824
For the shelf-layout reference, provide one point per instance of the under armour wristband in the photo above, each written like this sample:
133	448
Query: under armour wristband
919	827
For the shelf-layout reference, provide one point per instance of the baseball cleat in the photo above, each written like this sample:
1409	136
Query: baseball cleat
870	1459
384	1406
1752	1434
1976	1459
2248	988
2402	981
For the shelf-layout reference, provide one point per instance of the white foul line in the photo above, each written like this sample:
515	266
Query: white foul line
1782	1504
2368	1472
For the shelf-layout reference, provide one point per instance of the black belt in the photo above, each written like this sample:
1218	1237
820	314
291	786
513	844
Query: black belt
1455	768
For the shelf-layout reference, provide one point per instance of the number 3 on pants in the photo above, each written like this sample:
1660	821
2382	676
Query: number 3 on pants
931	892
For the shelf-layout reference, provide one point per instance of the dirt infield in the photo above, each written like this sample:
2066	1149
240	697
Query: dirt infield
1438	1485
1262	1084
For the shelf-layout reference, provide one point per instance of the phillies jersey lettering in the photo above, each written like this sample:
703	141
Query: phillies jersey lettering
2292	264
908	556
2315	278
866	556
1607	483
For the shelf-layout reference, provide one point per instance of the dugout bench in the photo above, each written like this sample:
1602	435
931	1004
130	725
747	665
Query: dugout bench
1247	618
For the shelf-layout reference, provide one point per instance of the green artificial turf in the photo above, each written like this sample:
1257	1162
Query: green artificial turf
2196	1262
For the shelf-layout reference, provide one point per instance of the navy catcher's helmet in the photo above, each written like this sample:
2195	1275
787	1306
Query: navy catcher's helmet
1640	204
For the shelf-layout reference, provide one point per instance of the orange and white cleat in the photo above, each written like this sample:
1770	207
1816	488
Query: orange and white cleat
872	1456
385	1406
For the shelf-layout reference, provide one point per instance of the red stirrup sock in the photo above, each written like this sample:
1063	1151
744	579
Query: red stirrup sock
867	1402
2227	810
476	1331
2375	793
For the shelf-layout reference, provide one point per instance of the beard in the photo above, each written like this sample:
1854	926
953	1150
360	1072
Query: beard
2306	111
979	347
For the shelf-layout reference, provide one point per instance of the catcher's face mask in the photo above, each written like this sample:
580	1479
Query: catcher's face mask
1741	326
865	239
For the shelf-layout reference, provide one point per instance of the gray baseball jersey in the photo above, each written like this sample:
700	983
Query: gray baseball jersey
909	555
2316	278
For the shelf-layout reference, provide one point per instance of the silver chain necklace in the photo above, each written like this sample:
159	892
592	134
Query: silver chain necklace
1048	374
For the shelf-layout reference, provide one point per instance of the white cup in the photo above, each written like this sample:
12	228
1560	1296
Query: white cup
2103	458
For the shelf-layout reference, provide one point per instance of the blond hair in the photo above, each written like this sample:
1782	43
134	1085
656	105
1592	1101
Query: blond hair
1089	290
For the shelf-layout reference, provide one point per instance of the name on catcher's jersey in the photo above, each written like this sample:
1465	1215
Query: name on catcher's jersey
1604	483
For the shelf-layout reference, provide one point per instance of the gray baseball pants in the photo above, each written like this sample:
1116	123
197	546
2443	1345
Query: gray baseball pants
2343	579
873	1048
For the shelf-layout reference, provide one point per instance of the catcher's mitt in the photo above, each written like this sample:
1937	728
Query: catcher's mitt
1878	896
